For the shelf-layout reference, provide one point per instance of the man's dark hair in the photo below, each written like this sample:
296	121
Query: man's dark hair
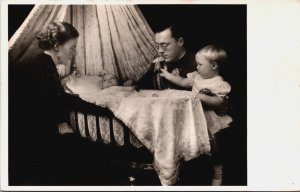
176	29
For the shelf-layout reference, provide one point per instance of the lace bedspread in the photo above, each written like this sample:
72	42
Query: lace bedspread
105	132
170	123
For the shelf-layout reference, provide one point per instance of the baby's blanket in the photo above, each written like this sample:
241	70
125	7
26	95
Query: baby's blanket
84	84
170	123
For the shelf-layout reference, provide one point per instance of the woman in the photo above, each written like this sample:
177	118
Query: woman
36	106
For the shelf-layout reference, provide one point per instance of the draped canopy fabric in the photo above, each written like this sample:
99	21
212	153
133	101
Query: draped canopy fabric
113	38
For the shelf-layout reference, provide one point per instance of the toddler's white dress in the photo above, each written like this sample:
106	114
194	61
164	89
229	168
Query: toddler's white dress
216	86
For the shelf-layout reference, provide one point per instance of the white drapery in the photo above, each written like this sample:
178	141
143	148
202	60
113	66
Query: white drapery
113	38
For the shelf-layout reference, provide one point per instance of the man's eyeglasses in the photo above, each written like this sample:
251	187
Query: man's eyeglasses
163	46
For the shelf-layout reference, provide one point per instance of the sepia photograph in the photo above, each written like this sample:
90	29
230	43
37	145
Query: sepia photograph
130	94
180	95
103	95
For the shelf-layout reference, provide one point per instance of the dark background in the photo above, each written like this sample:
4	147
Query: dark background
224	25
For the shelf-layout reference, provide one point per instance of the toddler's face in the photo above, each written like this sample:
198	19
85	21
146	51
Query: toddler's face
109	80
204	67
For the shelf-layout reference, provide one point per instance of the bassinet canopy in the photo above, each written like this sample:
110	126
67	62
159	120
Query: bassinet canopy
113	38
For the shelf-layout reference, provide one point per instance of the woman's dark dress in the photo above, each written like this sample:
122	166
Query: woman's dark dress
35	110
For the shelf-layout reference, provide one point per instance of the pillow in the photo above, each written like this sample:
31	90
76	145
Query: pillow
84	84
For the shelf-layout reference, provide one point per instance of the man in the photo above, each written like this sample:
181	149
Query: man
173	57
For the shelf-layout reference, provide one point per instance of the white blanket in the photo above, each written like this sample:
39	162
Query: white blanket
170	123
84	84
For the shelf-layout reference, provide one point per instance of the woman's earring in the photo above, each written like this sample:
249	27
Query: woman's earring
58	58
55	48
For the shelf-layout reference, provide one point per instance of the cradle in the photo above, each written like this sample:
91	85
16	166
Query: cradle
125	149
159	135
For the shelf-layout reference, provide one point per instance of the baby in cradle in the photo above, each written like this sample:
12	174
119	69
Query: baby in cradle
109	80
86	84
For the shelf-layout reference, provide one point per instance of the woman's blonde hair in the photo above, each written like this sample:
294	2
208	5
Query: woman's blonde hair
214	54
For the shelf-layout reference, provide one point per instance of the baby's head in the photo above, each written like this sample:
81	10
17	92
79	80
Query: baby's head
109	80
209	60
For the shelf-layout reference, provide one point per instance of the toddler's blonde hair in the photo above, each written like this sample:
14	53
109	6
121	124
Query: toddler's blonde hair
213	54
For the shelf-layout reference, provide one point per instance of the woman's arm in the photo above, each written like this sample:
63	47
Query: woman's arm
183	82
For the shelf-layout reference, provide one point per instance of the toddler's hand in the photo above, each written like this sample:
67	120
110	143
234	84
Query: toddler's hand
206	92
164	73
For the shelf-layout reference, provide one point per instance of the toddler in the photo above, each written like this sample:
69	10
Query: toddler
213	92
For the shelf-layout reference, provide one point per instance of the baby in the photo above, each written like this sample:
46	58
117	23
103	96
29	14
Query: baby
88	84
212	90
109	80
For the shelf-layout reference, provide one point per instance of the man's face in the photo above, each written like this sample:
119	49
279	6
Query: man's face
168	47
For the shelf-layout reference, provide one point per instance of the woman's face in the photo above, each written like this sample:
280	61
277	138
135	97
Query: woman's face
67	51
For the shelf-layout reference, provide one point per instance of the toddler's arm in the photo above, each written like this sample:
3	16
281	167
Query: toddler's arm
183	82
211	101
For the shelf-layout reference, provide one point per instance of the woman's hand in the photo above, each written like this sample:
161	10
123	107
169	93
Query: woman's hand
61	69
67	79
64	128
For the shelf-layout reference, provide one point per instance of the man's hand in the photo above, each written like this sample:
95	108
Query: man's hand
158	59
64	128
176	72
128	83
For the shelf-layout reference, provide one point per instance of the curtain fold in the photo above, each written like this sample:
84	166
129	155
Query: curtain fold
113	38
